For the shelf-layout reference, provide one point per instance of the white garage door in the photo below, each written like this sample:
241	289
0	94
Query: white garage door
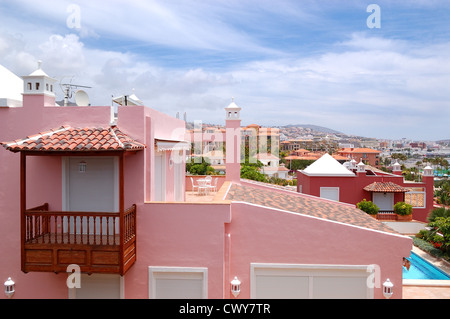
97	286
287	281
178	283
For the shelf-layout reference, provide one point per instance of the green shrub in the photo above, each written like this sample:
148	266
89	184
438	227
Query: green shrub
441	225
428	247
423	234
438	212
402	208
368	207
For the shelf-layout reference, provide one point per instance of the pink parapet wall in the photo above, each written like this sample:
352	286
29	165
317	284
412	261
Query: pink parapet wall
180	235
266	235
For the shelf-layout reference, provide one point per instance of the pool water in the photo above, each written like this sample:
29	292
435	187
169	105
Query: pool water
422	269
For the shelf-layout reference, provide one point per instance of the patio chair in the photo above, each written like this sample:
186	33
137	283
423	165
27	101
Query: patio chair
193	185
203	187
213	187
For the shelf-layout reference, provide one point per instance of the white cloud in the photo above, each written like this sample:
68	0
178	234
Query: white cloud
361	84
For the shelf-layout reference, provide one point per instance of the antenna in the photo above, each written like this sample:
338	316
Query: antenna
83	97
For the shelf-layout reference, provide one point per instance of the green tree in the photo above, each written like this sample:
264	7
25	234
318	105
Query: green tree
399	156
299	164
443	192
438	212
203	168
251	171
441	225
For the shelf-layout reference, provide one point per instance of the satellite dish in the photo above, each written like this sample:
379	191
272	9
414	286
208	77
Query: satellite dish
81	98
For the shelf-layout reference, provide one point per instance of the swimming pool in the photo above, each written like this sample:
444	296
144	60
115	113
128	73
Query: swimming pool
422	269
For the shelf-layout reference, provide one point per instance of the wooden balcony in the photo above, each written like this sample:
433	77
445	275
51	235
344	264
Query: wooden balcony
98	242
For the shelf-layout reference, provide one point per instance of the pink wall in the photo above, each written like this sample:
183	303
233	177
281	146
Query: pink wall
44	175
145	125
351	188
266	235
233	154
44	184
183	235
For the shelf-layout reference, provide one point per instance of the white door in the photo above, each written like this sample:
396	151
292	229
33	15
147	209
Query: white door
90	185
384	201
160	176
279	281
178	175
330	193
178	283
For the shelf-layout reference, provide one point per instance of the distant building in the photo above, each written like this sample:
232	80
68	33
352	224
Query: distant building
272	167
366	155
351	183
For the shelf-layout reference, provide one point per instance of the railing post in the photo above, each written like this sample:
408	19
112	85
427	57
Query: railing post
121	210
23	200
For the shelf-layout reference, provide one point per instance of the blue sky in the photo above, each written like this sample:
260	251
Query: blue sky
284	62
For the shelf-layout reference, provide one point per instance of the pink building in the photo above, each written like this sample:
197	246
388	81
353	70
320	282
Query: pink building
107	200
351	183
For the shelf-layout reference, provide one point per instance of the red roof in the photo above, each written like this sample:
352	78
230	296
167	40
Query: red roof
385	187
66	138
307	205
358	150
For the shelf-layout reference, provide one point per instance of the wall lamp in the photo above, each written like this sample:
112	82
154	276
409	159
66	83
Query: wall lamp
9	288
235	287
388	289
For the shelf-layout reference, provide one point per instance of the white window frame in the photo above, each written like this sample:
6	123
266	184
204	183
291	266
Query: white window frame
414	205
330	188
154	271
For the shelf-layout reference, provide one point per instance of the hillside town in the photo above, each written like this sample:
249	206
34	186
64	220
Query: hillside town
295	143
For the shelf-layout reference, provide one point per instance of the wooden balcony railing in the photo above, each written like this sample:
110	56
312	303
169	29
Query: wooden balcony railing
97	241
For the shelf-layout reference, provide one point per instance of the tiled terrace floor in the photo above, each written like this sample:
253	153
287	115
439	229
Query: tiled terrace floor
416	292
195	197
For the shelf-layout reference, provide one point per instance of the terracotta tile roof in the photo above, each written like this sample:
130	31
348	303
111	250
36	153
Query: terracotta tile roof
66	138
307	205
358	150
385	187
